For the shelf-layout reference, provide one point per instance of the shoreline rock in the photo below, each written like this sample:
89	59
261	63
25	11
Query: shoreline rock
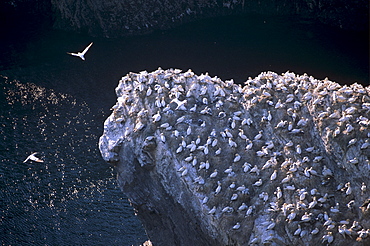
282	160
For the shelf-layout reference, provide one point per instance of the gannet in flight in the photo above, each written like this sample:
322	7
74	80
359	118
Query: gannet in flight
81	54
32	157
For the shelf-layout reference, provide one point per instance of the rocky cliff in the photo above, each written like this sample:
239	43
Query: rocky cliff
111	18
282	160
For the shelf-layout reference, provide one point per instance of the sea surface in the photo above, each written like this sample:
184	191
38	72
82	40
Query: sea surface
55	104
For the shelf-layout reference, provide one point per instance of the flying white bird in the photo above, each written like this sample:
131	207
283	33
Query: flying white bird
32	157
81	54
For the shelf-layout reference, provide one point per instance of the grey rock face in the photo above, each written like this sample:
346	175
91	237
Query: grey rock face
283	160
112	18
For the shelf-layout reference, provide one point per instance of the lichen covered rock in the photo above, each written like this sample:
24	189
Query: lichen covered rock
282	160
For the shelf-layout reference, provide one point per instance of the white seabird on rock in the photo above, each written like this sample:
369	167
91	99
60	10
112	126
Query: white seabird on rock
33	157
236	226
81	54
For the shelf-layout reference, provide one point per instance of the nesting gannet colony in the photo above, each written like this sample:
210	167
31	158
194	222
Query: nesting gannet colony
282	160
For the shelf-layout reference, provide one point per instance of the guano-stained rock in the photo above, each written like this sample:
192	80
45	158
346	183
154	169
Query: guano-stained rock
282	160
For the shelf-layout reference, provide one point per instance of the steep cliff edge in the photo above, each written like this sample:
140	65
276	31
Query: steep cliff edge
112	18
283	160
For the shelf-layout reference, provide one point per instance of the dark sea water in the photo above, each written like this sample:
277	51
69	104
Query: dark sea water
71	198
55	104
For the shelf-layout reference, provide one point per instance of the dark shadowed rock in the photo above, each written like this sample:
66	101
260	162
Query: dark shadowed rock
112	18
282	160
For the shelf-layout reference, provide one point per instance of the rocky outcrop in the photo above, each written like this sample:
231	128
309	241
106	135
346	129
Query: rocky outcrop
282	160
112	18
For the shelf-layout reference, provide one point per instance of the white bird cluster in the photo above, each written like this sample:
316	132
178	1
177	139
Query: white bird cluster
276	146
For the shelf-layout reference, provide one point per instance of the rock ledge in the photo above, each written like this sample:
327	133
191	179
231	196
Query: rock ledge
282	160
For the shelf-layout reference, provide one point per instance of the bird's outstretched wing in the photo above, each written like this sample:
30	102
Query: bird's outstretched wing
87	48
26	159
74	54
